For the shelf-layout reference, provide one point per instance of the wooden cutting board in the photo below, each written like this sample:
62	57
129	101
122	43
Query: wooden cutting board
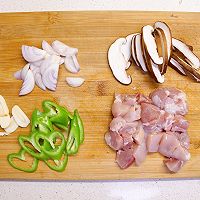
92	33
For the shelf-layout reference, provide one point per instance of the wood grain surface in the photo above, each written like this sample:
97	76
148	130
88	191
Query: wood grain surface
92	33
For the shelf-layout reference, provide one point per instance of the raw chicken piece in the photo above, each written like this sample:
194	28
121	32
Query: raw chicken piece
139	153
132	131
153	141
173	165
150	116
183	138
139	135
166	120
143	99
124	158
171	100
117	123
127	133
114	140
149	113
133	114
180	124
170	147
120	109
130	99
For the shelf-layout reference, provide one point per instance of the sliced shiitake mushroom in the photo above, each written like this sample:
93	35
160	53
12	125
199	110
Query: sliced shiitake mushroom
168	35
176	66
152	68
117	62
139	53
150	44
161	42
188	69
133	51
186	54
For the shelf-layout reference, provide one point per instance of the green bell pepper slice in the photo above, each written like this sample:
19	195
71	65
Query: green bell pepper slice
80	125
60	165
21	156
58	115
40	123
73	140
52	150
35	151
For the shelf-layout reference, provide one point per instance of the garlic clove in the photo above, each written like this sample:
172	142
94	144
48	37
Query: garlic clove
32	54
28	83
12	126
20	117
3	107
5	121
74	81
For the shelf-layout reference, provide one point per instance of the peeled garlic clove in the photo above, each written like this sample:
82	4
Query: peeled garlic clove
32	54
71	64
5	121
28	83
3	133
50	76
17	75
12	126
48	48
20	117
39	82
63	49
3	107
25	71
75	81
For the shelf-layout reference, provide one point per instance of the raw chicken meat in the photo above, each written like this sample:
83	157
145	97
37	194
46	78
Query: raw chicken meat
173	165
144	124
124	158
114	140
171	100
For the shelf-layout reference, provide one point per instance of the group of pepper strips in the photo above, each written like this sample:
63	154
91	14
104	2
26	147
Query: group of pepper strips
47	144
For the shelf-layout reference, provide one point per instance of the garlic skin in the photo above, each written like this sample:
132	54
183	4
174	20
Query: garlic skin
32	54
75	81
20	117
28	84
